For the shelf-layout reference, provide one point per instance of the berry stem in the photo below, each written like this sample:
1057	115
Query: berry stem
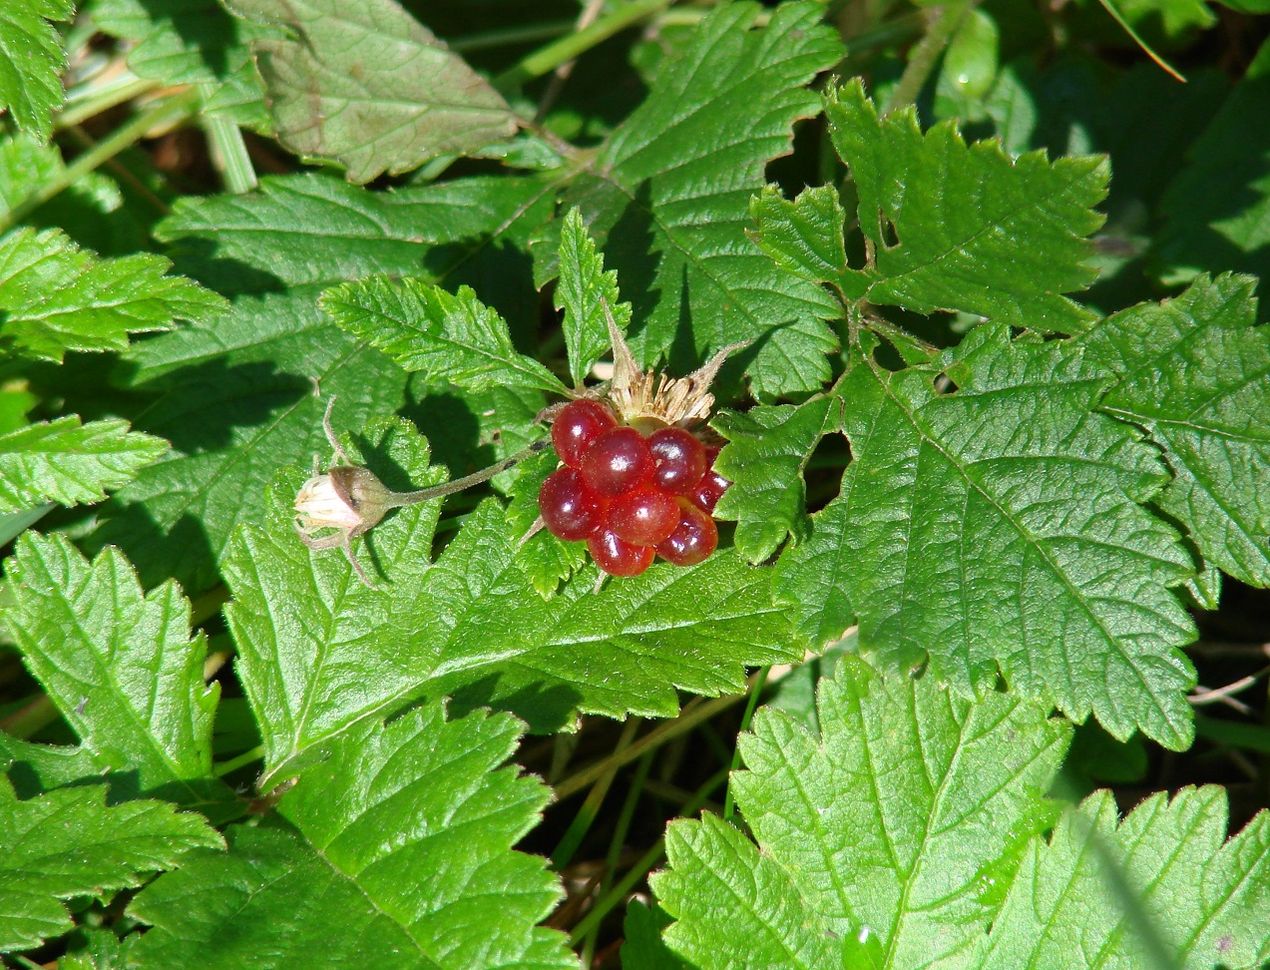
398	499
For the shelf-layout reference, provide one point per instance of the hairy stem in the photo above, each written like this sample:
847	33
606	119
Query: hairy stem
924	55
398	499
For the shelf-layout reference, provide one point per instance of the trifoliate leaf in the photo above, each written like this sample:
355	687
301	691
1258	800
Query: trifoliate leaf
764	460
255	367
943	794
472	623
803	236
1217	208
1194	372
957	227
1161	888
444	336
369	86
402	839
998	526
119	664
32	62
56	297
669	194
67	843
582	292
68	462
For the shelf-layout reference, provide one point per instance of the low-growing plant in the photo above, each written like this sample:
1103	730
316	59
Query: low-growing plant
634	483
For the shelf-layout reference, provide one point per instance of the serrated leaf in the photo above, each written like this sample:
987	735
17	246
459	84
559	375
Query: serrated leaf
943	790
118	663
32	62
443	336
998	527
56	297
669	194
36	768
1160	888
67	843
369	86
546	559
957	227
255	367
402	839
71	463
472	624
804	236
1217	208
1193	372
768	448
190	42
583	290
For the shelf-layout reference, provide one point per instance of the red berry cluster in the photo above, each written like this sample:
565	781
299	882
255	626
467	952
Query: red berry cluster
629	496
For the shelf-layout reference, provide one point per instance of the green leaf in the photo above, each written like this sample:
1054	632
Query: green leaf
668	198
583	290
190	42
944	792
71	463
255	367
545	558
1217	208
804	236
444	336
768	449
119	665
642	945
369	86
32	62
67	843
1160	889
938	245
36	768
998	527
472	623
56	297
1193	372
402	839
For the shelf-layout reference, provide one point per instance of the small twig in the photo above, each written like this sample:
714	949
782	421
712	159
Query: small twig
925	54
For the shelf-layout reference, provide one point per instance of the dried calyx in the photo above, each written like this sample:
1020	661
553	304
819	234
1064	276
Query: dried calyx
352	500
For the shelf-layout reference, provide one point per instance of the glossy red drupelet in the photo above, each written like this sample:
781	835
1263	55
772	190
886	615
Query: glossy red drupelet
577	426
629	496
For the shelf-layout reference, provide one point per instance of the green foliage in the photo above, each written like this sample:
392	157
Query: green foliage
944	794
963	228
69	462
803	236
119	664
668	198
32	61
1192	371
544	558
369	86
419	898
583	292
56	297
950	497
68	843
444	336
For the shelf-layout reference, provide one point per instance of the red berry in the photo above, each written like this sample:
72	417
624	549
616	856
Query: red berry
644	517
694	538
618	557
709	490
617	462
569	509
577	426
681	460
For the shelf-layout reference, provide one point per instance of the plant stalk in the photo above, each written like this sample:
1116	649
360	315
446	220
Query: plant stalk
925	54
729	801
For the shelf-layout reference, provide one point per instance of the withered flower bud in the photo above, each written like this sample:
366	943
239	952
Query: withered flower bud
347	498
